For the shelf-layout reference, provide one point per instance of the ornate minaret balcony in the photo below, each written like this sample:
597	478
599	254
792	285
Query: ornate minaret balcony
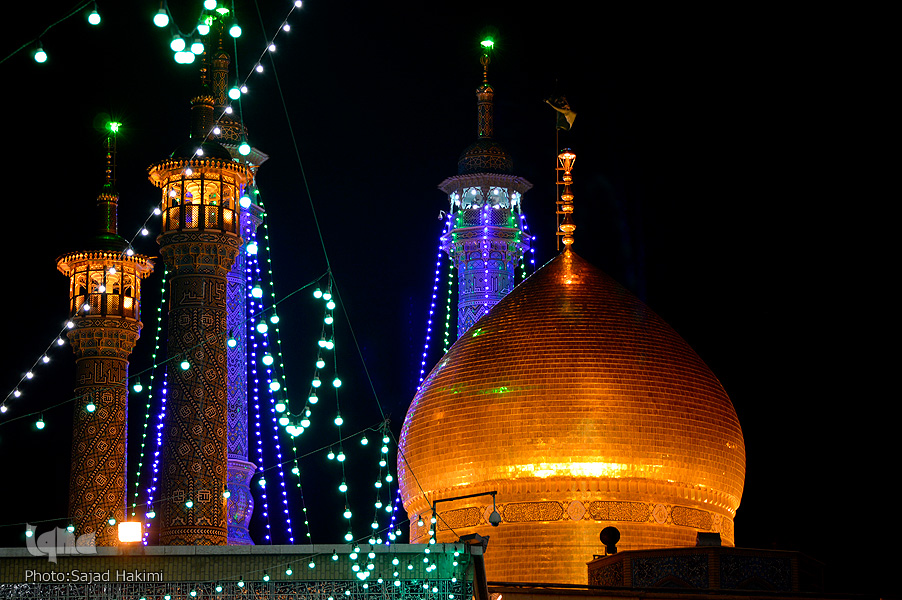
105	300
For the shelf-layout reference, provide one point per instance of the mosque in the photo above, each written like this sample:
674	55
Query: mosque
565	407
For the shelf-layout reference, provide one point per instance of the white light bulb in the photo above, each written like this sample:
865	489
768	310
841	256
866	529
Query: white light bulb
272	47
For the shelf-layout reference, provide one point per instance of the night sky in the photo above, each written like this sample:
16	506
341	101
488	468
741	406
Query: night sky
706	182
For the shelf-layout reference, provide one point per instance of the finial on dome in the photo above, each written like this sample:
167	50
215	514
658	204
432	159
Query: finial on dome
565	205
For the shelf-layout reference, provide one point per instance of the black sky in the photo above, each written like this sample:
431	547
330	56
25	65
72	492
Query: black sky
706	182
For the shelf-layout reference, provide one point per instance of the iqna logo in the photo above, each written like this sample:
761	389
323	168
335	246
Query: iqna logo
58	541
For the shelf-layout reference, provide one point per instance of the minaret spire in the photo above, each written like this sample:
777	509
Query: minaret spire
485	106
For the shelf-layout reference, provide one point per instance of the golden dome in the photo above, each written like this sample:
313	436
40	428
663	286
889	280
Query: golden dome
582	408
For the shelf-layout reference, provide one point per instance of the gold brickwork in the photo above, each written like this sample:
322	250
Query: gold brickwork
581	408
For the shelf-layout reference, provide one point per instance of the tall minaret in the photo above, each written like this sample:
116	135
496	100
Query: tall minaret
485	240
201	186
104	299
231	133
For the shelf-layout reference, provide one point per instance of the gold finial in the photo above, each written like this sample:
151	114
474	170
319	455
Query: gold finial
565	205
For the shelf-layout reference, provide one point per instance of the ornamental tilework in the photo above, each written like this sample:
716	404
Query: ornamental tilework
193	457
686	570
737	571
98	469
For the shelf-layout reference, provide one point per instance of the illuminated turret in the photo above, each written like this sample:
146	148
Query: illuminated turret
201	185
104	299
486	239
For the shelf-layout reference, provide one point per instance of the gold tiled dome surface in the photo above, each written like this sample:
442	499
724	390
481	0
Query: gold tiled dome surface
582	408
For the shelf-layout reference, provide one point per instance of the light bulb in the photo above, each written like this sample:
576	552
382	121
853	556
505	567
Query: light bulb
252	247
320	363
40	423
245	201
283	421
244	149
256	292
189	504
197	47
94	17
234	93
272	47
210	4
280	407
235	31
203	29
340	457
267	359
316	382
339	421
259	68
336	382
262	327
45	359
343	487
91	407
161	19
185	365
177	44
313	399
330	305
274	319
364	441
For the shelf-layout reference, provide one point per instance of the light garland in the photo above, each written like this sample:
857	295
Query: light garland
435	283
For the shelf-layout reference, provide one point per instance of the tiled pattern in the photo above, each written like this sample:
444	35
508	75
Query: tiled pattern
572	389
690	570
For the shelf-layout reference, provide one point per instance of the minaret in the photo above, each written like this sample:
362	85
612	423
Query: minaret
200	239
485	240
104	299
231	133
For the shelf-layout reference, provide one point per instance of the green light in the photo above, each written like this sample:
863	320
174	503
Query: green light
235	31
487	43
94	17
185	365
161	19
210	4
177	44
39	55
244	149
114	126
478	332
